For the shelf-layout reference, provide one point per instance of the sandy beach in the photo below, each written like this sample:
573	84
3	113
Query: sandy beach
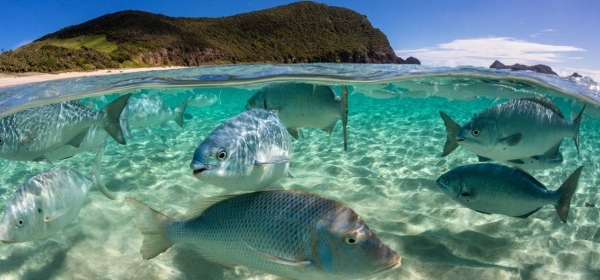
25	78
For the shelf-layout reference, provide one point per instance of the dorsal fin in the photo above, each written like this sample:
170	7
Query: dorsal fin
527	175
546	103
198	208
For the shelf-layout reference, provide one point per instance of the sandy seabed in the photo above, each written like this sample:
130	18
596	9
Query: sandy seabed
387	176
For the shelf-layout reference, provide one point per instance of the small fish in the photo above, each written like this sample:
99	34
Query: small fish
48	202
93	139
516	129
380	94
247	152
34	132
287	233
303	105
499	189
150	111
202	100
540	162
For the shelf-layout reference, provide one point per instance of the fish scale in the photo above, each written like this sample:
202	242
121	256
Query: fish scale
286	233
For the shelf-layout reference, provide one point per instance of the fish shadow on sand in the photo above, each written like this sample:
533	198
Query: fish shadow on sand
52	251
193	265
431	247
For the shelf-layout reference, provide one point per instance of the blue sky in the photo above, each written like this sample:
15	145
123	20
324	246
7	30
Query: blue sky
559	33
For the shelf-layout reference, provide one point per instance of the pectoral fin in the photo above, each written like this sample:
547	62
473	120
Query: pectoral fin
528	214
60	239
294	132
511	140
274	160
483	159
53	215
76	141
279	260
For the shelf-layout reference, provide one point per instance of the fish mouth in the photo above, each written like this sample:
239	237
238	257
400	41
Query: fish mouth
199	171
460	139
391	266
8	241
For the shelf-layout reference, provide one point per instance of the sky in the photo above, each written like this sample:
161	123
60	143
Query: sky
560	33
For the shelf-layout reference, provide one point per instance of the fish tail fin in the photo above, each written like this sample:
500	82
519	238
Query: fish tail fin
566	191
112	124
152	224
345	115
577	122
179	111
96	168
452	129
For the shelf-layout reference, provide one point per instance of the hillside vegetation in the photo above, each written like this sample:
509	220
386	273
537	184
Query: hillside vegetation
298	32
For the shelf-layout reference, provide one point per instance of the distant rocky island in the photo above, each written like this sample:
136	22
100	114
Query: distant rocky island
295	33
540	68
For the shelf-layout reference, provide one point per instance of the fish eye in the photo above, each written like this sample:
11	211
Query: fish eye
20	223
475	132
351	240
445	181
222	155
250	103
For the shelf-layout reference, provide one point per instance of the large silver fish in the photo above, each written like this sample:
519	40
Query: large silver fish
150	111
31	133
287	233
500	189
304	105
48	202
516	129
247	152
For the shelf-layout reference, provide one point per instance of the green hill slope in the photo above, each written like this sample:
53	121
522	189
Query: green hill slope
298	32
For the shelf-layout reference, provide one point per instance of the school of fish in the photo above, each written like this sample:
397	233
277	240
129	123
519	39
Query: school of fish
287	233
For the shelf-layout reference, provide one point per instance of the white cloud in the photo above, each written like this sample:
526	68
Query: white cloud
547	30
483	52
22	43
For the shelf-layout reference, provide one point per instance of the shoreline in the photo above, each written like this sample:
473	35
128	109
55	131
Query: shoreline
7	80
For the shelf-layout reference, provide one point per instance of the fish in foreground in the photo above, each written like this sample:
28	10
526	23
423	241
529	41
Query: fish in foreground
150	111
247	152
499	189
304	105
512	130
31	133
287	233
48	202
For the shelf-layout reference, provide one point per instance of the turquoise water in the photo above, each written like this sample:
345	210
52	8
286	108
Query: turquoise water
387	175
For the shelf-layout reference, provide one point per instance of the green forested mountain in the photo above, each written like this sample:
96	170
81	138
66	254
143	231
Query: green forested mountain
298	32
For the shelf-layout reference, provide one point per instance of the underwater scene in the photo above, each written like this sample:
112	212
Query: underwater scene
313	171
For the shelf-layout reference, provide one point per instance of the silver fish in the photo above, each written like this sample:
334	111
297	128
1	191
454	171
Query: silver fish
540	162
287	233
150	111
247	152
516	129
93	139
202	100
34	132
500	189
303	105
48	202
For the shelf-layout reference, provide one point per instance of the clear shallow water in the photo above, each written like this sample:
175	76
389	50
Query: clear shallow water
387	175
